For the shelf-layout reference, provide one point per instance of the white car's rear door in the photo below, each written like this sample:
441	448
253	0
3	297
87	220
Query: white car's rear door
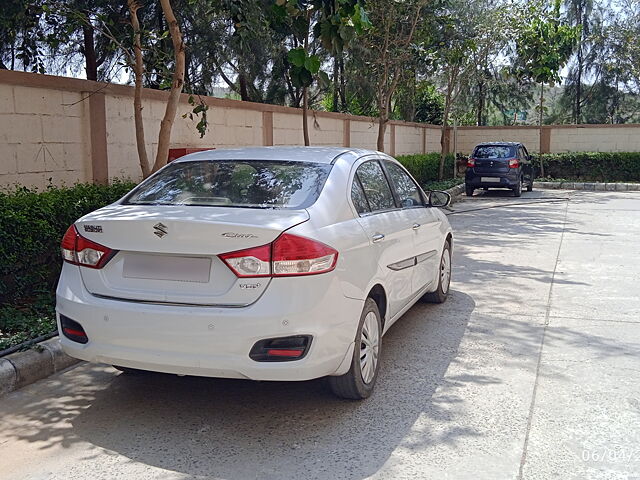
389	230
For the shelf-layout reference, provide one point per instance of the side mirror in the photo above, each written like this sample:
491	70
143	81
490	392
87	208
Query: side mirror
439	199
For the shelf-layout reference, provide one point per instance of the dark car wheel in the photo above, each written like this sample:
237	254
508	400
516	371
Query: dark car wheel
517	191
530	186
469	190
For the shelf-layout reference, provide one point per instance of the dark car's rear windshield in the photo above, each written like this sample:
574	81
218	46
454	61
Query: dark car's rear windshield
234	183
494	151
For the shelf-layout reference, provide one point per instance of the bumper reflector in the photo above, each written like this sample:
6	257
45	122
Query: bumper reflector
281	349
73	330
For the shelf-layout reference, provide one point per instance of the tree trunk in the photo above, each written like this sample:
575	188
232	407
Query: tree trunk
540	125
91	62
164	137
578	104
242	80
305	120
343	88
336	86
138	70
382	128
480	103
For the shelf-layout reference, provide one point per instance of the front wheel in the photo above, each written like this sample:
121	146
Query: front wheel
530	186
358	382
444	278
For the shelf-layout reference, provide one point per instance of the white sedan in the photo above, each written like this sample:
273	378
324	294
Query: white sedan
273	263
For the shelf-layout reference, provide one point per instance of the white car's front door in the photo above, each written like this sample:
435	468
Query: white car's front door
425	223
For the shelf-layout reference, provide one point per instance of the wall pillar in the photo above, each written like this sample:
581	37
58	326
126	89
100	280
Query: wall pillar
346	132
424	140
98	125
545	139
267	128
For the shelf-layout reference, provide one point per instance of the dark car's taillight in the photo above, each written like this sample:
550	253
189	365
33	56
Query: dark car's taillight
514	163
471	163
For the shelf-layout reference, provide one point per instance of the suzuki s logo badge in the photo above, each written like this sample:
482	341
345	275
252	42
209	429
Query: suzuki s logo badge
160	230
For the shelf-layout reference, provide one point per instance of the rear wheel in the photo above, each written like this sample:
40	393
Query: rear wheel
359	381
468	190
517	191
530	186
444	278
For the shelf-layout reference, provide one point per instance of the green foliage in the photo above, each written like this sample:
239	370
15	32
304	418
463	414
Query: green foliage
593	166
19	324
443	184
545	43
31	227
424	167
200	109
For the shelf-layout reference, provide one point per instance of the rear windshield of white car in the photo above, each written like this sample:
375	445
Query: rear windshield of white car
234	183
494	151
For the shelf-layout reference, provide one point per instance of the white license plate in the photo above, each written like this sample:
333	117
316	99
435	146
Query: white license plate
160	267
489	179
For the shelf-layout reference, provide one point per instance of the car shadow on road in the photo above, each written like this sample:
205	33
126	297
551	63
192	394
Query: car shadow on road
237	429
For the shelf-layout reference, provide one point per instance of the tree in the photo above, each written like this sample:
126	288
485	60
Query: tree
544	45
390	50
136	60
579	14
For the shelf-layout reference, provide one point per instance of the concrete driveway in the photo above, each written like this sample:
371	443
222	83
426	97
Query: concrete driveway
530	370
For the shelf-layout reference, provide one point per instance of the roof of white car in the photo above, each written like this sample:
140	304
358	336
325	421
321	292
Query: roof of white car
295	154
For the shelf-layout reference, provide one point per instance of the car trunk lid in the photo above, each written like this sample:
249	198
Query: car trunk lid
169	254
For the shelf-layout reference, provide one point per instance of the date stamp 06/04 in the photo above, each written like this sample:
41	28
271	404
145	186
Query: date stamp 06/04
613	454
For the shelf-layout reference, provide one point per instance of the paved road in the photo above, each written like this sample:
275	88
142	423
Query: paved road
530	370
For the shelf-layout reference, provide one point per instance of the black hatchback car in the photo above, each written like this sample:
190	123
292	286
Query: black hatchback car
499	165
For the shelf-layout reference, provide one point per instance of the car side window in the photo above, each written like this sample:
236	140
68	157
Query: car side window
358	198
405	187
376	187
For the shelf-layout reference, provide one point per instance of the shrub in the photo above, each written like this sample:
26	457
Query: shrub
31	227
424	167
592	166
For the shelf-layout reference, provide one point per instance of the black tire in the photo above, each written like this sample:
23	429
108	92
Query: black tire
351	385
530	186
441	293
469	190
130	371
517	191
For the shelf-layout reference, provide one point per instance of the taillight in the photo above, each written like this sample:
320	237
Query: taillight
288	255
293	255
514	163
471	162
252	262
81	251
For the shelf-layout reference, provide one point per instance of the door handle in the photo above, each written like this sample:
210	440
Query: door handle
377	237
416	226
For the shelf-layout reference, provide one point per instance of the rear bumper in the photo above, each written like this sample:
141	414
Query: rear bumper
212	341
501	180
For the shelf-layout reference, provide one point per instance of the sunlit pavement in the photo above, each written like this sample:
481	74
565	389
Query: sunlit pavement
530	370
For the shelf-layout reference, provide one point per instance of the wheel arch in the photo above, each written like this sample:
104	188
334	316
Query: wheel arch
379	295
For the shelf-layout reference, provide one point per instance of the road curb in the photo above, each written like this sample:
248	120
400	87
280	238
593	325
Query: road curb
455	192
591	186
23	368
